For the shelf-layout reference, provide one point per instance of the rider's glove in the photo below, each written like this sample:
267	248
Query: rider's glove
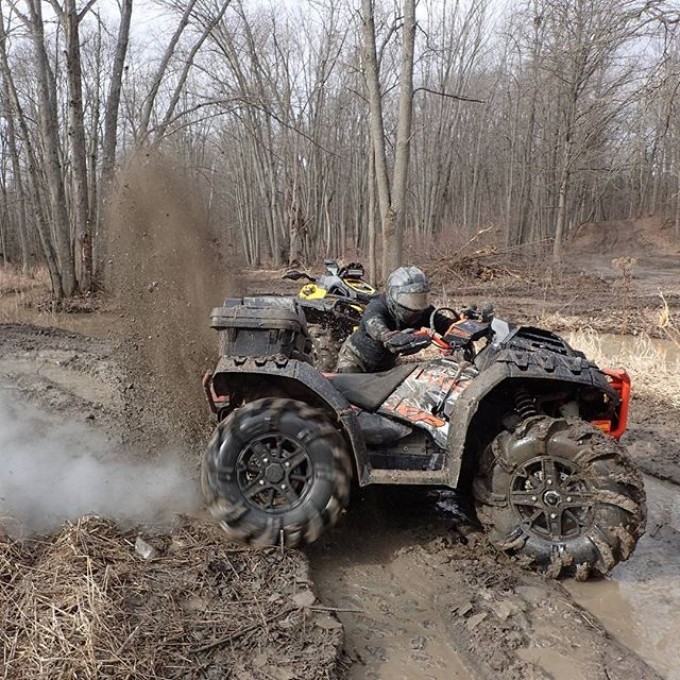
397	341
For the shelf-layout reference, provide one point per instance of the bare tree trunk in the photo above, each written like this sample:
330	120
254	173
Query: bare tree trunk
4	217
80	208
189	62
112	108
34	180
395	224
13	151
49	128
296	225
372	256
150	100
110	132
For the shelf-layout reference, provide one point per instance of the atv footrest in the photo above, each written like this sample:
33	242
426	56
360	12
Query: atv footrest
388	460
414	477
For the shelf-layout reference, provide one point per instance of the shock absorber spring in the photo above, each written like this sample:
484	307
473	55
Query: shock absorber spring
524	404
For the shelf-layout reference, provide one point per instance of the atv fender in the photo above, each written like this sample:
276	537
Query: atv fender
298	380
513	365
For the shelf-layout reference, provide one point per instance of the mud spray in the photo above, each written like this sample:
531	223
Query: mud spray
166	270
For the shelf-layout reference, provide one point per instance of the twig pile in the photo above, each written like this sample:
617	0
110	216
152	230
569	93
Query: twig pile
88	605
476	262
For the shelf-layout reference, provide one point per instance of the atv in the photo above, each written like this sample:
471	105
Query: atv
333	304
510	415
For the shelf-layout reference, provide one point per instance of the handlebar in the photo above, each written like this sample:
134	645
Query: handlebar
464	330
435	338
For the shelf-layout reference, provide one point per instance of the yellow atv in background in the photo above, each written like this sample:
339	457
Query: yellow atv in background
333	304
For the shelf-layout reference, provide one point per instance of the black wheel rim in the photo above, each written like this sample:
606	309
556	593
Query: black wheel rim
551	498
274	473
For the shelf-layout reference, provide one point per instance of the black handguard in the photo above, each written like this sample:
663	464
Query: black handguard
406	343
456	341
485	313
465	332
469	312
418	342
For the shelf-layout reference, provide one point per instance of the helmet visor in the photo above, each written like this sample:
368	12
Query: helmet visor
415	302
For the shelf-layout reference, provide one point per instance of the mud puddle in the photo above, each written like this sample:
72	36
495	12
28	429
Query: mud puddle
666	351
98	324
639	603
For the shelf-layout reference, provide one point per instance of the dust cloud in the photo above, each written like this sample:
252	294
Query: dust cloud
52	472
167	270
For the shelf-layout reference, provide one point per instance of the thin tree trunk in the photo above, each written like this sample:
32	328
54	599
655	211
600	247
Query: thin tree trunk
80	208
112	108
372	74
34	180
562	200
13	151
372	256
150	100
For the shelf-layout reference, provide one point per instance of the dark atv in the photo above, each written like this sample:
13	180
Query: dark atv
510	414
333	304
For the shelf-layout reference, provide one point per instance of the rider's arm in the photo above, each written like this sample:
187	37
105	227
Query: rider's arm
376	324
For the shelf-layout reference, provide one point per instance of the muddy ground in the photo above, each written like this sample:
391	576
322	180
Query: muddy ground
416	590
419	595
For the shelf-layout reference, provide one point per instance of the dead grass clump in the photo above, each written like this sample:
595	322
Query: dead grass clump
669	326
92	607
13	280
653	371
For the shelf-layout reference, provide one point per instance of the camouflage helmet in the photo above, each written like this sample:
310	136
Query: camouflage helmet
407	293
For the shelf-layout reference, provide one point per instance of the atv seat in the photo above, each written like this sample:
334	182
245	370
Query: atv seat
369	390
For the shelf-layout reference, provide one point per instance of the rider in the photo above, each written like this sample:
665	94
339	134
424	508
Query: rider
381	334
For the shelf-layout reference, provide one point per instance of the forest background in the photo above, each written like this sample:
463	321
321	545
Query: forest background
385	130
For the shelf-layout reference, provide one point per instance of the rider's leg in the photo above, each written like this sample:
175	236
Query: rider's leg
348	360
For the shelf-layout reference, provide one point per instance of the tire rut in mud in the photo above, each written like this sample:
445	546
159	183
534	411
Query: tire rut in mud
423	594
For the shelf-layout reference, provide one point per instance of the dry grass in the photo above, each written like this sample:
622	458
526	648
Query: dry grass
86	605
13	281
19	291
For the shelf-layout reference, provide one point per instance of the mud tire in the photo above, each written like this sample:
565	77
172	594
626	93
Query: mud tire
606	513
325	348
238	486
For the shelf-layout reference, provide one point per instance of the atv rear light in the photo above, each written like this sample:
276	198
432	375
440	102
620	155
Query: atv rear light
620	381
215	401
